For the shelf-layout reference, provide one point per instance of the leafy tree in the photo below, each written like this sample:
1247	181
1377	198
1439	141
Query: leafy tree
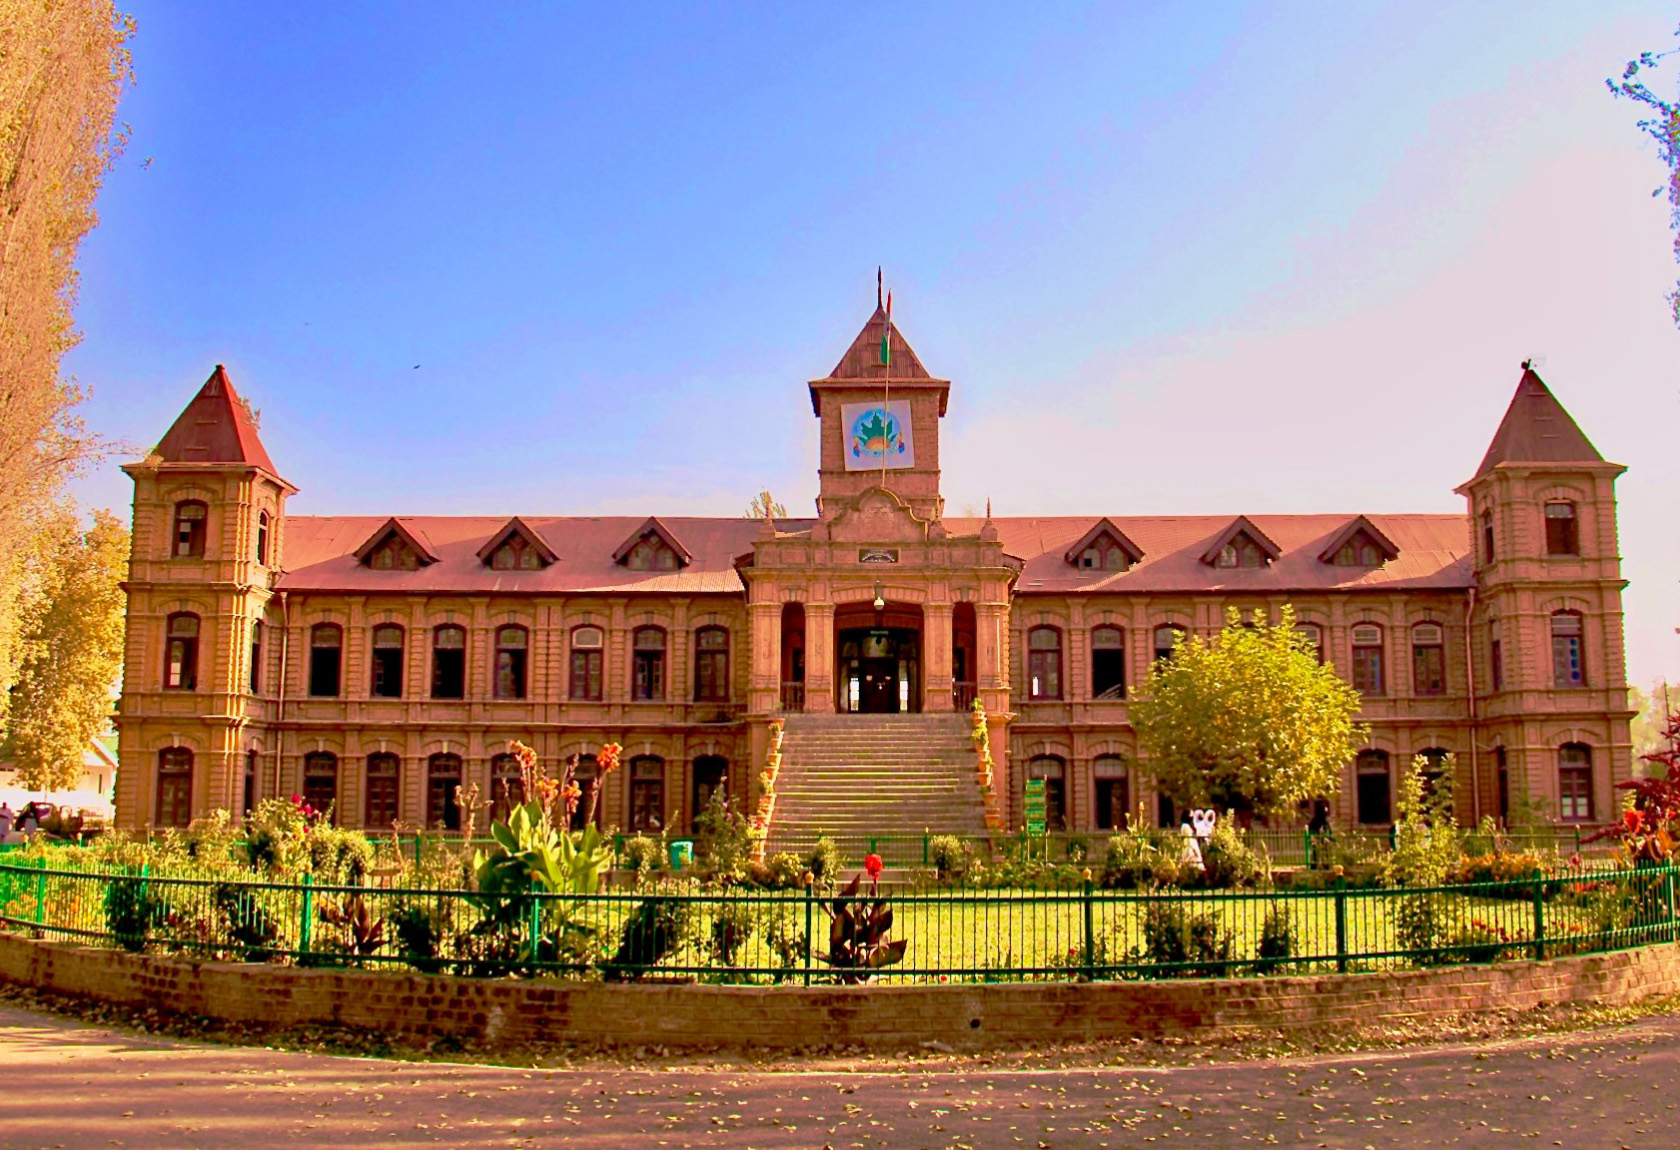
764	506
1662	125
1249	721
63	64
72	647
1650	718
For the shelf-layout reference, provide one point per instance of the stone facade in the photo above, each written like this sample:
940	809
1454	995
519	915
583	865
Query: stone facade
376	663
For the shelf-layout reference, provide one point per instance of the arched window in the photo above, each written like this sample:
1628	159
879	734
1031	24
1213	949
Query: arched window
180	660
320	782
326	658
1568	665
647	667
711	777
1563	533
262	538
449	662
387	661
1487	537
190	518
384	779
511	643
1044	663
1114	791
587	655
516	554
1108	663
1373	788
443	780
587	775
1314	635
256	656
1053	770
1575	782
711	665
174	787
1368	660
1240	552
507	787
1166	636
1429	659
647	793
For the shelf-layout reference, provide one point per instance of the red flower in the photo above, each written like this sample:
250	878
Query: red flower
1630	819
872	863
297	799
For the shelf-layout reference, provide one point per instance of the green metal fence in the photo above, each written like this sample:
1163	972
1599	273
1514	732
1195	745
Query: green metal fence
679	931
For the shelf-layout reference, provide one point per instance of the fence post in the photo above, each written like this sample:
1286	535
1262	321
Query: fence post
41	892
417	849
1341	924
1668	890
1307	848
535	925
1090	932
810	901
1539	915
306	927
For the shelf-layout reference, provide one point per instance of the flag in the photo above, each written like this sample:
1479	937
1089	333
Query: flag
886	336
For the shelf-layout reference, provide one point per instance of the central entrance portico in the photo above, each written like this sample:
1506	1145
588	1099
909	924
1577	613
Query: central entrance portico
878	669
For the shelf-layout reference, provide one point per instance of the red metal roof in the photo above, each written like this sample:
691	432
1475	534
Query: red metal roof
863	359
1434	553
215	429
1536	429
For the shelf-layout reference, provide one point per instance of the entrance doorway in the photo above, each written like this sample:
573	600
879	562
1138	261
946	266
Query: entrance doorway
879	659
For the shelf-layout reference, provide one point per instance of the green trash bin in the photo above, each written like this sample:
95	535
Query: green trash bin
682	854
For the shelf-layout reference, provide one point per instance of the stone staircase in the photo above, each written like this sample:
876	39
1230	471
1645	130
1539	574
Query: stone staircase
857	777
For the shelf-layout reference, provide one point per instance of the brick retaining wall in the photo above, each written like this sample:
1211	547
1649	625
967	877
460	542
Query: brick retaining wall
961	1015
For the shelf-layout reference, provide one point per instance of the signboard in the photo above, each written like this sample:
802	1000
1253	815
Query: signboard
877	435
1035	806
878	555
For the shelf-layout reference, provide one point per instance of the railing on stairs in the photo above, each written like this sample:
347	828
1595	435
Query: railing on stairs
962	695
793	696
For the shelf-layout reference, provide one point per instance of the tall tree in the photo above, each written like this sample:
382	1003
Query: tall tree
764	506
72	646
1662	124
63	65
1249	721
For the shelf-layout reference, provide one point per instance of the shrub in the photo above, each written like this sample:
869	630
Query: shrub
419	928
1417	928
723	838
654	929
947	855
1427	842
1479	942
731	926
1277	940
825	860
1131	861
1077	849
1190	944
784	871
1230	863
643	856
131	909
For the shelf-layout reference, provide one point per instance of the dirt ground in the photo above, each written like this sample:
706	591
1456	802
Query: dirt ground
72	1083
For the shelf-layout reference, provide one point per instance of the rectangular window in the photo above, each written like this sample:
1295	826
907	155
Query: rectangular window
180	666
586	663
510	663
1373	795
443	780
320	782
1108	663
1044	663
1429	660
256	656
647	795
1566	651
325	655
1114	797
449	663
711	665
387	662
1575	798
647	670
1368	660
1502	784
1496	656
382	791
1562	534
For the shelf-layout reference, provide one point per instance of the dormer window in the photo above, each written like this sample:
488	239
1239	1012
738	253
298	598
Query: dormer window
651	554
1241	552
516	555
1103	548
392	554
1359	544
1360	551
1103	555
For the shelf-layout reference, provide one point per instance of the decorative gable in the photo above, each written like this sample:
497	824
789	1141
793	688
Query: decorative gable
652	547
516	547
1359	544
1242	544
1104	548
394	547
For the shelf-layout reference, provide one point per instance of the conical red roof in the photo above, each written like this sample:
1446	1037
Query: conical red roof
863	359
1536	429
215	429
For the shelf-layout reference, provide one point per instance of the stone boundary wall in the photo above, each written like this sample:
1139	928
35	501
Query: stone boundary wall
1009	1015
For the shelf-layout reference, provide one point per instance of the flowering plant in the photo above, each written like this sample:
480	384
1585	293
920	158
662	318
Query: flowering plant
1650	825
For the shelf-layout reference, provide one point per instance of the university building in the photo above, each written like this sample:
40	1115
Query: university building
378	663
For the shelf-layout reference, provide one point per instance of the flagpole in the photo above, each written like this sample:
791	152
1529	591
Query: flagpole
886	381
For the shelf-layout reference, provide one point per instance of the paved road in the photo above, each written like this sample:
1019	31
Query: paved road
63	1083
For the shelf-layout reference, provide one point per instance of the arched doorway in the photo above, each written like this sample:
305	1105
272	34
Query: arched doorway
878	658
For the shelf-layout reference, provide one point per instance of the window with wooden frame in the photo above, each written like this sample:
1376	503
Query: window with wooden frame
587	658
587	775
516	554
711	665
250	790
1044	663
1502	784
1167	636
383	787
174	787
1314	635
1359	551
1487	537
512	642
387	662
1113	792
262	539
1568	669
180	658
1563	533
1241	551
320	782
711	779
1368	659
326	658
443	781
647	794
1429	659
1575	783
1053	770
256	656
507	787
651	553
1108	662
449	662
1104	554
1496	656
393	554
1373	788
191	516
647	664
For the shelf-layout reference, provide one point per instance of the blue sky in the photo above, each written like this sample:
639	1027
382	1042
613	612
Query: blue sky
1204	258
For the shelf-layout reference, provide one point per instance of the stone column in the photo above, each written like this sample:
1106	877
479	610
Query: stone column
764	693
936	657
819	658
